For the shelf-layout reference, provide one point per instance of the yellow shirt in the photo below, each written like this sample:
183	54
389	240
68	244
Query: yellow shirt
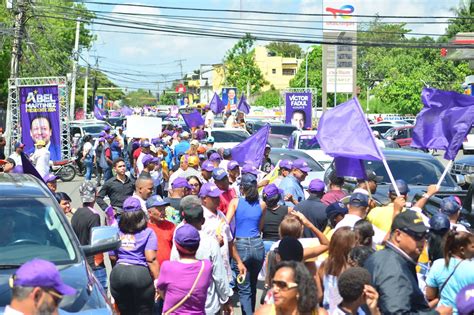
381	217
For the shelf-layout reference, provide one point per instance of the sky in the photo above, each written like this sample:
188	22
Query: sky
147	59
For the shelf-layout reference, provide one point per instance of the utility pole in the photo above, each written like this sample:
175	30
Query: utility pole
17	38
84	104
180	62
94	85
74	69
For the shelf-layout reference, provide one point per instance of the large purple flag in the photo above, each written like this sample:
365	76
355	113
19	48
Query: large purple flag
243	105
344	132
252	148
216	104
126	111
193	119
28	167
444	121
350	167
99	113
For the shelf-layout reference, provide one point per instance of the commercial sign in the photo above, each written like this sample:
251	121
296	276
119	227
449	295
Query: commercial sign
39	115
338	16
298	109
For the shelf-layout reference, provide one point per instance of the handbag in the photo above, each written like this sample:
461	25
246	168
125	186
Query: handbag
188	295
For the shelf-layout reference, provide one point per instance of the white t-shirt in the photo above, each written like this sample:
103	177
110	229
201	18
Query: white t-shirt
209	122
140	166
41	160
230	122
87	148
16	157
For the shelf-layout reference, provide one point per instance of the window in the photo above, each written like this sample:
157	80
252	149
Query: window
289	71
274	71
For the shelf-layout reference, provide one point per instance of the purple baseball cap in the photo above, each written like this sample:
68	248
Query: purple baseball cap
219	173
187	236
316	185
147	159
107	128
302	165
155	141
286	164
249	169
209	190
215	157
131	204
48	178
207	166
180	182
272	190
156	160
41	273
231	165
465	300
108	137
200	134
145	144
102	133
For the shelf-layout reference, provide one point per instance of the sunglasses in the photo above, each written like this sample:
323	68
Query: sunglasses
282	285
57	297
416	236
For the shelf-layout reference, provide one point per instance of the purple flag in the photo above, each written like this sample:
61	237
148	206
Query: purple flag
193	119
243	105
28	167
350	167
126	111
444	121
252	148
343	131
99	113
216	104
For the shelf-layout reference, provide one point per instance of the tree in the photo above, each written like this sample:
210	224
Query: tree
285	49
240	67
168	98
463	21
139	98
268	99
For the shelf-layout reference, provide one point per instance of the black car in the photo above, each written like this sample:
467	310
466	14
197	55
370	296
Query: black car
464	167
34	226
418	169
275	128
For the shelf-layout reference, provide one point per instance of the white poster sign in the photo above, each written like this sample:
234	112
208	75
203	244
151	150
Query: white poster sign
344	79
143	127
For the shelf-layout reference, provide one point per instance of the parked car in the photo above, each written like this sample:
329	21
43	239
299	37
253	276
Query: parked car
317	170
116	121
418	169
278	141
80	128
227	137
276	128
464	167
468	144
304	140
382	128
34	226
401	135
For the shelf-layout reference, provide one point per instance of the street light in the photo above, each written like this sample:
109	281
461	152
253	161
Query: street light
308	50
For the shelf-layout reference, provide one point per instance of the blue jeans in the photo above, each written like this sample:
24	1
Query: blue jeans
101	275
252	253
89	168
268	246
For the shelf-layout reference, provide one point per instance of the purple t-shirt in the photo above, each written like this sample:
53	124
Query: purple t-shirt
176	279
132	250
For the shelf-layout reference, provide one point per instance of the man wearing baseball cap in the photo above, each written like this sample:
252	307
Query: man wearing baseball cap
221	180
16	156
393	269
233	169
139	154
183	146
41	157
179	189
37	288
334	192
7	166
163	228
206	171
312	208
452	208
51	181
291	184
285	167
369	183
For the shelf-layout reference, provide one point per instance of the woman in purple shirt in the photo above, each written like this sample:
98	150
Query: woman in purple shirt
183	284
135	264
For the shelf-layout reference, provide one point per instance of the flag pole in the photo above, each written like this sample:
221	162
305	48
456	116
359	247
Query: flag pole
389	172
446	170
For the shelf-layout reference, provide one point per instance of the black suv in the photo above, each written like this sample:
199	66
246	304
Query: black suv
34	226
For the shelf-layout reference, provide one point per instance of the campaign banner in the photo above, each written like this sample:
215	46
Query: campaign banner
229	98
99	101
298	109
39	115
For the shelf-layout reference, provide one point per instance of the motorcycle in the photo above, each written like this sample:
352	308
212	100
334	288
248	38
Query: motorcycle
64	170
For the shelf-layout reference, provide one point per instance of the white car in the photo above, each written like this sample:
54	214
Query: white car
304	140
468	144
227	138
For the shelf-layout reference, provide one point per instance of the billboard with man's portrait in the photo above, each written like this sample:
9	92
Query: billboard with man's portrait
229	98
39	115
298	109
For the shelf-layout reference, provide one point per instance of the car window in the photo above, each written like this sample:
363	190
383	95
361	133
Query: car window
414	171
75	130
402	134
293	155
30	230
95	129
282	130
307	142
229	135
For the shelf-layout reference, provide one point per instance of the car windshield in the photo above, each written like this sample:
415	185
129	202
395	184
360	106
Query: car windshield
33	229
417	171
293	155
381	129
95	129
307	142
282	130
229	135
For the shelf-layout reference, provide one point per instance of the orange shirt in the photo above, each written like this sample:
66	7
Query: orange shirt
164	233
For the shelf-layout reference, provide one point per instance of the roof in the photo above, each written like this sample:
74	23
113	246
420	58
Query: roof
22	186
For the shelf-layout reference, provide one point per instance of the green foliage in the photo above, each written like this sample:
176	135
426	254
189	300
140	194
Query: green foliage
466	11
139	98
240	66
285	49
169	98
268	99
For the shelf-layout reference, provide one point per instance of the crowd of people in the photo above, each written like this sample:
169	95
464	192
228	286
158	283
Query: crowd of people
197	227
